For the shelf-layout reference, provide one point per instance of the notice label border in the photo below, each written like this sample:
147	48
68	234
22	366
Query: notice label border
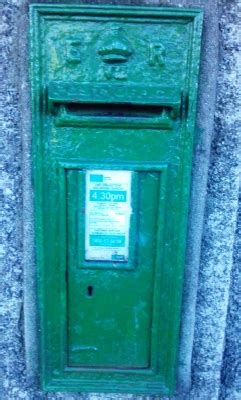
107	215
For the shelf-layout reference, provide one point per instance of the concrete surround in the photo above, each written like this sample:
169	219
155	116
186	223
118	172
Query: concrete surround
210	342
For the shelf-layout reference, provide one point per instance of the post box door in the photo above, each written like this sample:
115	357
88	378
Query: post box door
114	92
111	303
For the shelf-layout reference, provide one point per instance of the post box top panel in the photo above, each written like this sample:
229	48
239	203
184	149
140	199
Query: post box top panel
115	47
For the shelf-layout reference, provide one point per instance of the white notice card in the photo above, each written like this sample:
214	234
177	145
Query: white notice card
107	219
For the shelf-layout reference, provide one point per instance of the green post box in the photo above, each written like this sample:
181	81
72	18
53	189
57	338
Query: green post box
113	94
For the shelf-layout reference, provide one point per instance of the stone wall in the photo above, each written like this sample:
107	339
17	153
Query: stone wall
210	339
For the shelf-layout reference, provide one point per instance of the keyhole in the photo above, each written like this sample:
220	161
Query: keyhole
90	290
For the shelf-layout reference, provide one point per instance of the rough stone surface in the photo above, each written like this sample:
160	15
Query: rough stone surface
231	368
219	225
210	342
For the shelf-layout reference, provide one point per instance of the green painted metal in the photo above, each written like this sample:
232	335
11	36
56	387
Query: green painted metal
112	88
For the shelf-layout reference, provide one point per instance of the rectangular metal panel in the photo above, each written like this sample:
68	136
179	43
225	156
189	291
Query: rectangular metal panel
113	89
110	311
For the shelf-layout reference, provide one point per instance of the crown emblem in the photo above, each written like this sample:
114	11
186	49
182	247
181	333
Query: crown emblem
115	47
